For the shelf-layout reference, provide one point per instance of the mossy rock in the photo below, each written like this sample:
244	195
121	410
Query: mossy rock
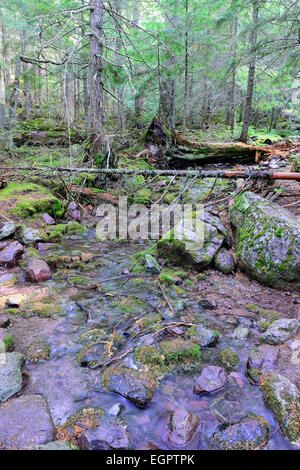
267	241
29	200
8	341
267	314
228	359
178	351
283	398
143	196
137	386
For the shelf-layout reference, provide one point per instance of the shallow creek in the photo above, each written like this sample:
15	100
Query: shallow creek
69	387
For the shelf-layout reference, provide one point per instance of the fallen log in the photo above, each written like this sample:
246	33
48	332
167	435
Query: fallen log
89	193
186	150
49	138
268	175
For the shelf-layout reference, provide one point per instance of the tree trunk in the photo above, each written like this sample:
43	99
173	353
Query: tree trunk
186	68
96	70
251	73
13	103
233	77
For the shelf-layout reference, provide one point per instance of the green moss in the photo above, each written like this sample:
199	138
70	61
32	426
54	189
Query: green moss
228	359
167	279
148	355
8	341
178	351
143	196
41	309
201	277
262	312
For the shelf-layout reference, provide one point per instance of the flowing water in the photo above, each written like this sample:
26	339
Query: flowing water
69	387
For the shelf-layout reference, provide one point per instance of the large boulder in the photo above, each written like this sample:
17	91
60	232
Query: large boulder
281	330
10	374
247	434
194	243
38	271
10	254
183	426
267	241
283	398
25	422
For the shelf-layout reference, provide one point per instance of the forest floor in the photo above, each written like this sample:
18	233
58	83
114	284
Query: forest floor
102	315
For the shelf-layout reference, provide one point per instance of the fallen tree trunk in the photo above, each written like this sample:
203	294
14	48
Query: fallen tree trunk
201	174
49	138
185	150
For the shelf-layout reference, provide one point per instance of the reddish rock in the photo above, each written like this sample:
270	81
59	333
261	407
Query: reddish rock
212	379
10	254
48	219
76	215
183	426
38	271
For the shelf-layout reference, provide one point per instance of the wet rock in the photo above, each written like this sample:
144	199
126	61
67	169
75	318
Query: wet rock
38	271
241	333
38	351
224	261
115	410
183	426
7	339
31	236
208	303
48	219
25	422
11	253
283	397
152	265
55	445
205	337
44	246
267	241
246	434
185	246
91	354
212	379
261	360
281	330
105	437
8	279
10	374
228	359
7	230
137	386
294	345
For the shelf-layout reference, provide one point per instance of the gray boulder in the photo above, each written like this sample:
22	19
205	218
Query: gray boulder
152	265
10	254
31	236
25	422
283	398
7	230
195	245
281	330
267	241
262	360
10	374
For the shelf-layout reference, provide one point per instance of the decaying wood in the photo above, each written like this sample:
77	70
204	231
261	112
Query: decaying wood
268	175
90	193
47	138
186	150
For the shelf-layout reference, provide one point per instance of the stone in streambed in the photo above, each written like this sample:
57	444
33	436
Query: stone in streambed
224	261
31	236
137	386
247	434
25	422
38	271
11	253
183	426
7	230
152	265
262	360
10	374
105	437
283	398
212	379
281	330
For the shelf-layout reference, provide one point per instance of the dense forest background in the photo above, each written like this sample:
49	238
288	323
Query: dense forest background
226	67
